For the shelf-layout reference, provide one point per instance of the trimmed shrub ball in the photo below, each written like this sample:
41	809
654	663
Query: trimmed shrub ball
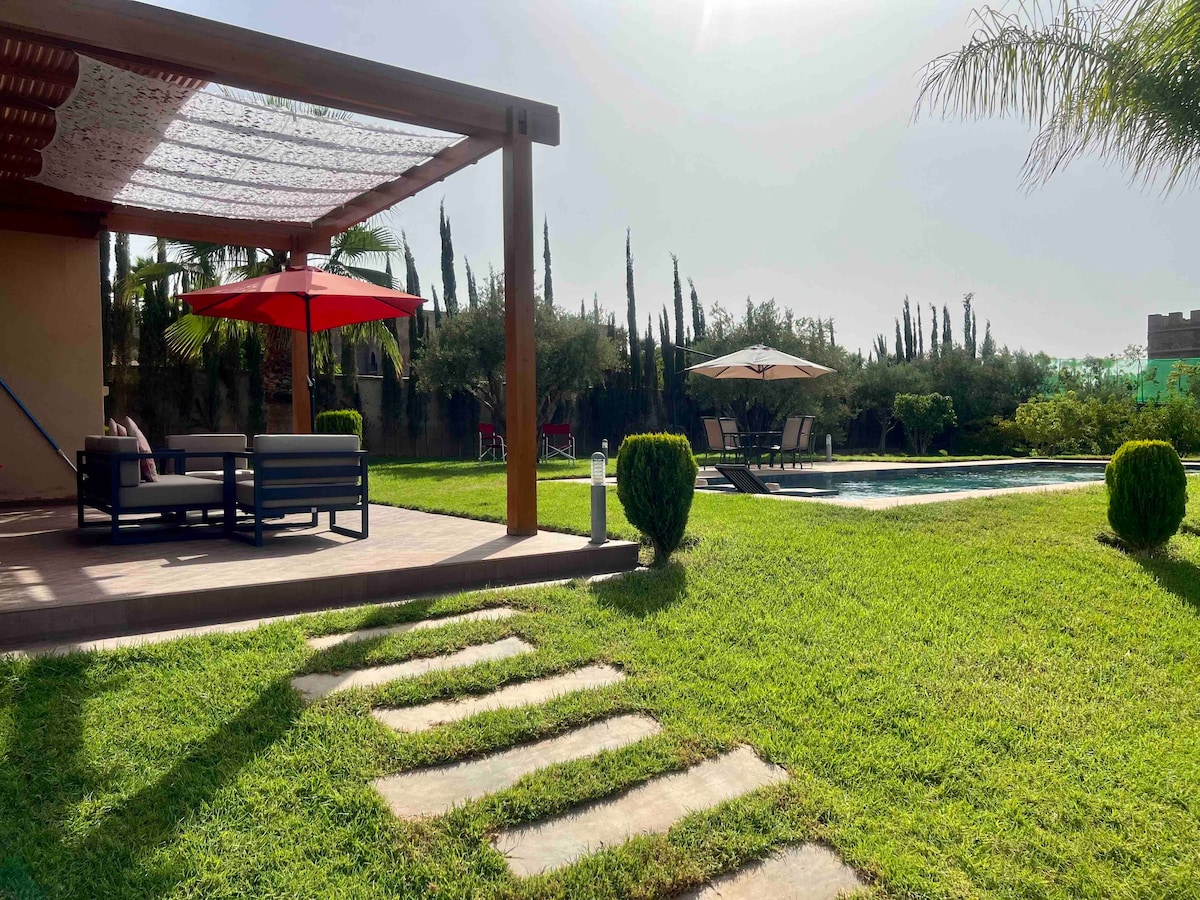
656	480
1147	494
340	421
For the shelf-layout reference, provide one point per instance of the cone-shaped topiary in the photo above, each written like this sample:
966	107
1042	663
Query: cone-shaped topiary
656	479
1147	493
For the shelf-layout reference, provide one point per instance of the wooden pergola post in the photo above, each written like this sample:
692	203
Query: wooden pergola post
519	349
301	421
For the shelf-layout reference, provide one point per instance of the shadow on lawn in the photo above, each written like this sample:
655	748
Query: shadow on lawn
642	592
116	855
1180	577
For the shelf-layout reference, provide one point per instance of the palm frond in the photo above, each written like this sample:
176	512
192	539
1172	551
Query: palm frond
1119	79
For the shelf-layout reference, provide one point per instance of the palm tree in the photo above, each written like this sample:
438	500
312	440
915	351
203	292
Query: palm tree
1120	79
198	265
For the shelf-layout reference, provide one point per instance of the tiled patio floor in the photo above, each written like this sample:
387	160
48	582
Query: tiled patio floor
56	581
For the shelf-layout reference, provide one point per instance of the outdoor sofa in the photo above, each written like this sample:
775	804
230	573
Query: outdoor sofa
251	490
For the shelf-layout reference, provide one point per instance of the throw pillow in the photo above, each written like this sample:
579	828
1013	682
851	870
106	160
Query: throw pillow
116	429
149	470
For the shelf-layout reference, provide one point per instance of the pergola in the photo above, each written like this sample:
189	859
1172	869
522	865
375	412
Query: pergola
108	121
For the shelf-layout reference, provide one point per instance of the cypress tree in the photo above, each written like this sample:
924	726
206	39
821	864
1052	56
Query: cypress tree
968	331
649	364
947	336
634	369
908	331
582	309
472	288
678	305
391	399
988	350
933	331
668	363
596	307
899	343
832	339
448	285
881	353
414	400
548	282
697	314
920	335
437	308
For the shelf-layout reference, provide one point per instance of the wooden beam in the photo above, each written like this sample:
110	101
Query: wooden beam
465	153
520	359
190	227
49	221
238	57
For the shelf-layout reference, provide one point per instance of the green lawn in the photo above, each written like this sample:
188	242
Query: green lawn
974	699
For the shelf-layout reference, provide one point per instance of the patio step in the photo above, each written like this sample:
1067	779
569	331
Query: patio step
365	634
802	872
320	684
526	693
435	790
650	808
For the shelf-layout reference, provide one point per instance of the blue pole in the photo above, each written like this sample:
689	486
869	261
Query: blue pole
36	423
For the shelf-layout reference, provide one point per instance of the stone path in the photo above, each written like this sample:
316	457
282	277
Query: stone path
804	872
319	684
653	807
527	693
479	615
432	791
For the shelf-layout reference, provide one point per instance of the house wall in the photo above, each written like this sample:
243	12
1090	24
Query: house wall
50	349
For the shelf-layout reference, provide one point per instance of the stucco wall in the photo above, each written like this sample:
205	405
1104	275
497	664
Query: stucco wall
50	349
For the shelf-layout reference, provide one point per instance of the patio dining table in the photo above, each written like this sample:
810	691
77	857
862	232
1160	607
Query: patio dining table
757	442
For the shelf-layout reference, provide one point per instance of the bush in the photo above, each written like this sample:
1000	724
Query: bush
924	417
656	478
1147	493
340	421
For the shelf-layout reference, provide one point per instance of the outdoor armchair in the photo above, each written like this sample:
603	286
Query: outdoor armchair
108	479
491	444
303	474
557	440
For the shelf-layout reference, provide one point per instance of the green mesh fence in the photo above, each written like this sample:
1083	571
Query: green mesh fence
1147	380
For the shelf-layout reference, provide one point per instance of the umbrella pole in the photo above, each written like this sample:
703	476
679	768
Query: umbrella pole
312	395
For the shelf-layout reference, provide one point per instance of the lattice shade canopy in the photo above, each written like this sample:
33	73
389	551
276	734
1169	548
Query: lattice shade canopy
142	141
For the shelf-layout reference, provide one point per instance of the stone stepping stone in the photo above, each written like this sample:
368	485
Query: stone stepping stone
803	872
527	693
432	791
319	684
479	615
649	808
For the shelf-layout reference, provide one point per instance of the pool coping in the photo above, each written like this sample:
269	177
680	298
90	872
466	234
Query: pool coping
916	499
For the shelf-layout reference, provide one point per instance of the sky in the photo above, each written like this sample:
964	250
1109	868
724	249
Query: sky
770	144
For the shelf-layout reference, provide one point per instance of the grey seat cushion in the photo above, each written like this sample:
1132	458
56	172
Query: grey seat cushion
173	490
131	472
299	443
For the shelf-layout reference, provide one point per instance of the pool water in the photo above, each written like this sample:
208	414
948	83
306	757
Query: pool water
940	480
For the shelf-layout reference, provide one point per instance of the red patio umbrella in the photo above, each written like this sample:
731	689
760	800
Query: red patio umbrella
303	299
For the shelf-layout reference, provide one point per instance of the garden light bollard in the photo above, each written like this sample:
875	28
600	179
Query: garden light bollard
829	448
599	504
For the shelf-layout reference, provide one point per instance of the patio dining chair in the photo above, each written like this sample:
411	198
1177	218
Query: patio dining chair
718	441
796	439
557	440
491	444
732	435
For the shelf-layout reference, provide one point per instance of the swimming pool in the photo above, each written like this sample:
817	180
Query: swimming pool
882	483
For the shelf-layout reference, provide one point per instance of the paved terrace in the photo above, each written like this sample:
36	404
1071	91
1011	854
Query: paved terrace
59	583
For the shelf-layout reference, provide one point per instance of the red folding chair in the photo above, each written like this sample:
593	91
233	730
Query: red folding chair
557	440
491	444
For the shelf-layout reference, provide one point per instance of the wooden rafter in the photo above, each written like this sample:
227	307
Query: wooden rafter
238	57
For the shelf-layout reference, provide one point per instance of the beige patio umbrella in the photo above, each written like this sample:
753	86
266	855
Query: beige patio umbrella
760	363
